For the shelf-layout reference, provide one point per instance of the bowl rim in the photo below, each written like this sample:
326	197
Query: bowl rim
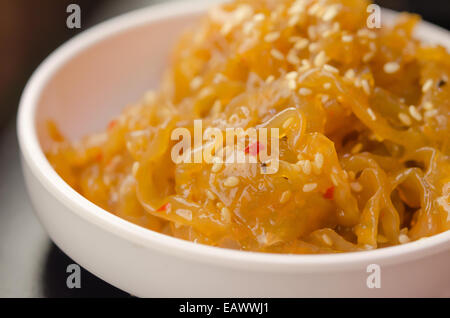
34	158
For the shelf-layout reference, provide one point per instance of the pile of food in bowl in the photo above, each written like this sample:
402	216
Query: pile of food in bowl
359	117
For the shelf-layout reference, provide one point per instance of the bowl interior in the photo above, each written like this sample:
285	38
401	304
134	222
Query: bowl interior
88	90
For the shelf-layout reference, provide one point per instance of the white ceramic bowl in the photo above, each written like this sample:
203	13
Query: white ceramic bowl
87	81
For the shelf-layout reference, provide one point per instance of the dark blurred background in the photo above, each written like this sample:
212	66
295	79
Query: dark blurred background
30	265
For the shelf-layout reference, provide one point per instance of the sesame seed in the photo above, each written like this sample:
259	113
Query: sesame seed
330	68
415	113
368	56
304	67
403	238
301	44
356	186
428	106
350	74
306	62
325	98
304	91
292	84
185	214
391	67
196	82
226	28
296	8
327	86
326	239
242	12
427	85
270	79
334	180
365	86
216	167
259	17
371	114
320	59
210	195
313	47
318	160
292	75
405	119
293	20
231	182
285	196
347	38
292	57
314	9
330	13
225	215
357	148
306	166
271	37
219	77
309	187
288	122
277	54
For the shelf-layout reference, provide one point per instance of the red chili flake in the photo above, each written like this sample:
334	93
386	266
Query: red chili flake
329	193
99	157
254	148
165	207
112	124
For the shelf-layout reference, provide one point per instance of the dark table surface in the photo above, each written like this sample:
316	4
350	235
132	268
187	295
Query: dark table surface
30	264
